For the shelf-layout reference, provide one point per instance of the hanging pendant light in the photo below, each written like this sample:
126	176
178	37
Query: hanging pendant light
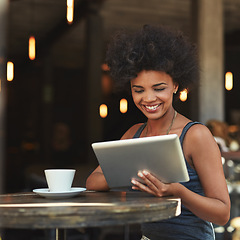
183	95
32	40
10	71
123	105
32	48
229	81
70	10
103	110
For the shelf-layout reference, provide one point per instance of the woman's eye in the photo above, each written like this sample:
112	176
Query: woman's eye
159	89
138	91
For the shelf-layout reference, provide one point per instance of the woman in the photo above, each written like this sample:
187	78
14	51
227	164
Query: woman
158	63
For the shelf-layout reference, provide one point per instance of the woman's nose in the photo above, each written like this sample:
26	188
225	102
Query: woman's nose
149	97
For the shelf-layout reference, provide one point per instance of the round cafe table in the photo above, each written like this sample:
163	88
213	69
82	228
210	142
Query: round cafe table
88	209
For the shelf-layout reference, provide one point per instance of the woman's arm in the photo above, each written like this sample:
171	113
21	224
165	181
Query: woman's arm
96	181
206	157
201	150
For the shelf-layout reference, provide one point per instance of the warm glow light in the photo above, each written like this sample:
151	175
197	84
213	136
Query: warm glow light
70	8
10	71
103	110
70	14
123	105
70	3
105	67
107	84
229	81
183	95
32	48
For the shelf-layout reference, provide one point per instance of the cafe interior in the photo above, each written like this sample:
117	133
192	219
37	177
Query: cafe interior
56	96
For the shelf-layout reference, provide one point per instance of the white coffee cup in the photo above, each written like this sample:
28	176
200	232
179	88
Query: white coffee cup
59	180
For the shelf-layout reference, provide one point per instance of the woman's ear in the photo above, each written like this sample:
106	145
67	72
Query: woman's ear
175	88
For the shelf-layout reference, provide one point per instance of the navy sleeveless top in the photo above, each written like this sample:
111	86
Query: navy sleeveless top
186	226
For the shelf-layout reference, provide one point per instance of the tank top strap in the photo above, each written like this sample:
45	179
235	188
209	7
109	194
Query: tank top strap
185	129
139	131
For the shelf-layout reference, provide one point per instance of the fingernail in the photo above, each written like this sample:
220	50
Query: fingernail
140	174
133	181
145	172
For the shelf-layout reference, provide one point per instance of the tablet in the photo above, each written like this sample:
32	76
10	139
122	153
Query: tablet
121	160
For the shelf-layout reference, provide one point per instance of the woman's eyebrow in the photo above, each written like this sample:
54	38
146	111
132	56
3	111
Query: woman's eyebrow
159	84
137	86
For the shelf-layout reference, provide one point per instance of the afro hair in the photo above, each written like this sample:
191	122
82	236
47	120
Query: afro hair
152	48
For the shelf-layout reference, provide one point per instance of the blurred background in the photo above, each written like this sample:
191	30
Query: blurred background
50	104
56	96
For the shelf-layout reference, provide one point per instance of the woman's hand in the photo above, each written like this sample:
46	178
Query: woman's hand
152	185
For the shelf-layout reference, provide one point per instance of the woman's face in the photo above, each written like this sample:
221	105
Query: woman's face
152	93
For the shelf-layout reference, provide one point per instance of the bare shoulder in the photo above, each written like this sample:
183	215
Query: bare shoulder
131	131
200	148
199	131
199	137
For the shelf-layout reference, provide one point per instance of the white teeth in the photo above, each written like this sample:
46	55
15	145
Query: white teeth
152	107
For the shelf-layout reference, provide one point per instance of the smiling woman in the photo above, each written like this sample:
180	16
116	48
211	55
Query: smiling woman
152	93
156	63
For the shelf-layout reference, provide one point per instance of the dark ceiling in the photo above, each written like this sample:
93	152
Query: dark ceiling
46	19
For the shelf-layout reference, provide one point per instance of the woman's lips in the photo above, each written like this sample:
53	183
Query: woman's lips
151	108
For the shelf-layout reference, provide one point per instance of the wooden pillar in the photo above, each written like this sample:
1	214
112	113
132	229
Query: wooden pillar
3	31
208	29
94	59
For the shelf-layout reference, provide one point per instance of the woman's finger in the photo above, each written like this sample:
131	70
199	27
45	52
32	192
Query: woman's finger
141	187
148	181
152	178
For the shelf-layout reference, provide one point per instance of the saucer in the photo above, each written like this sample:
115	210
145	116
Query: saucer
44	192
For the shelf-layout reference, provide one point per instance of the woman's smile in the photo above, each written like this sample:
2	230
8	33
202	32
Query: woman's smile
152	93
151	108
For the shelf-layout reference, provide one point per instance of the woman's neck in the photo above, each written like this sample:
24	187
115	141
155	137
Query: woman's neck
161	126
